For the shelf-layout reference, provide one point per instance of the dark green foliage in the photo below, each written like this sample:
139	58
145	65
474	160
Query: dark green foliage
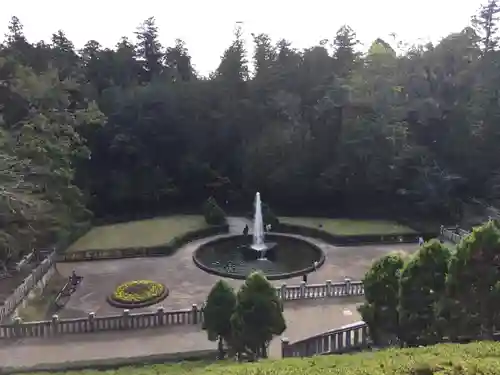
326	127
497	223
380	310
40	144
438	294
214	215
473	283
258	316
246	322
221	302
422	286
319	128
268	215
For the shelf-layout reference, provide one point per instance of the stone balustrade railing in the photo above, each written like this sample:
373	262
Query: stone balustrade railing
454	235
347	339
161	317
27	285
326	290
92	323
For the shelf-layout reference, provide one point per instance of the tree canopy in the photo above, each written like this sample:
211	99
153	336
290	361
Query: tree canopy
135	130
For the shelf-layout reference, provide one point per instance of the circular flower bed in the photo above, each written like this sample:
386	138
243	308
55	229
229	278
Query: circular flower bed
138	293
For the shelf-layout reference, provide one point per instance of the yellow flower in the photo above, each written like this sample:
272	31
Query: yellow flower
138	291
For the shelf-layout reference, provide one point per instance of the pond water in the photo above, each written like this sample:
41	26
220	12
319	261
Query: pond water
287	258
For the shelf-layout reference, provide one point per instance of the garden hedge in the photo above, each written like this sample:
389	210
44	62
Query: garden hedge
352	240
135	252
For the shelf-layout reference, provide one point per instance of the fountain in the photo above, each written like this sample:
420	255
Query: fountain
236	256
258	243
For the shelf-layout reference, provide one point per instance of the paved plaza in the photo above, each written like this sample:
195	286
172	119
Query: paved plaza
188	285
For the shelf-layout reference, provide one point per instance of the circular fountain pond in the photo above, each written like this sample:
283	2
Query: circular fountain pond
289	257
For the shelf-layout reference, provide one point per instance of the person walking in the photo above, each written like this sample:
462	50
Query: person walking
245	230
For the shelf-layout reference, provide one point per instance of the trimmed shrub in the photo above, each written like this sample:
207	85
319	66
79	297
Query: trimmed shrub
421	287
379	310
221	302
473	286
269	216
258	316
214	215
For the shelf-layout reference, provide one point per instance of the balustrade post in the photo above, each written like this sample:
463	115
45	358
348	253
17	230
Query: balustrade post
285	347
125	319
302	289
329	291
347	282
364	335
195	313
91	320
283	292
160	311
17	326
55	324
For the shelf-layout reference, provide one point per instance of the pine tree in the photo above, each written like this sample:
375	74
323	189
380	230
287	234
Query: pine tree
149	49
221	302
485	24
258	316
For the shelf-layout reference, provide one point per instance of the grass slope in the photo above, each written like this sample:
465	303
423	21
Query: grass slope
471	359
151	232
347	227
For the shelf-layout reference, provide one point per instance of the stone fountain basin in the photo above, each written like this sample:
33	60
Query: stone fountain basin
232	257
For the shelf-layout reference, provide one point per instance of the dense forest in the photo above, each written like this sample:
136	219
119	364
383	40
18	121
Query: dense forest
135	130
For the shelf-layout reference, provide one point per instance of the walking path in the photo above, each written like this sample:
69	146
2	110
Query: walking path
187	285
237	224
303	319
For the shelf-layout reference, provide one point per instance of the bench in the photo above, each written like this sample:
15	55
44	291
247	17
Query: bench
67	290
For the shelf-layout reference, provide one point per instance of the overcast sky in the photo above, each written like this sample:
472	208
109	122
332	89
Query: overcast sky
207	26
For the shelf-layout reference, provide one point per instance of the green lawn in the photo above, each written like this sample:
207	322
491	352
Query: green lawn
451	359
142	233
347	227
